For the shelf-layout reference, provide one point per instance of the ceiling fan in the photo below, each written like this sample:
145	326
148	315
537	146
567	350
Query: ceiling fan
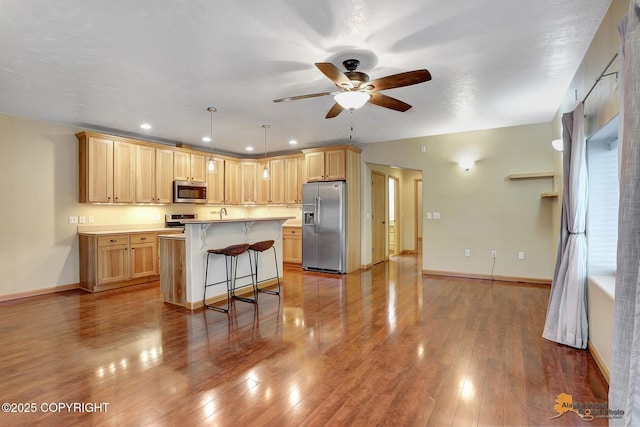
356	89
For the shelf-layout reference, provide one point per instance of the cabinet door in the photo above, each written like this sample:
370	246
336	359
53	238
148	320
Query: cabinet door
164	175
301	172
232	182
181	166
113	264
292	245
264	185
145	174
198	168
249	183
100	170
144	259
335	165
314	166
277	181
124	172
294	177
215	184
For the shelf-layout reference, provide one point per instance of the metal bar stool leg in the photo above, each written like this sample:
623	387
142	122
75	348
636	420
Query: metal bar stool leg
206	285
256	249
235	272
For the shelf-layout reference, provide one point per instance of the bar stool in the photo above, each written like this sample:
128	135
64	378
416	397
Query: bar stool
256	249
231	254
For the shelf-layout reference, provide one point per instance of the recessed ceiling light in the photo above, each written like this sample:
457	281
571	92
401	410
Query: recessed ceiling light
249	148
145	126
206	139
293	142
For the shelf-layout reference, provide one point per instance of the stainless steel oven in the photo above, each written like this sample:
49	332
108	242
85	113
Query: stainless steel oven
173	220
189	192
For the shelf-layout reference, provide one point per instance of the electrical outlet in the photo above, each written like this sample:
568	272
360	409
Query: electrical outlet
90	219
436	215
73	219
81	220
520	255
467	252
494	254
428	215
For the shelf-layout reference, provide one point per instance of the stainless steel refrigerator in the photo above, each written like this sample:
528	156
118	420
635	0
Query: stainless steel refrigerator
324	207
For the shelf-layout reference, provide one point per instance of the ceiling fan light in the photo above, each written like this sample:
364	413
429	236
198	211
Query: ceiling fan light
352	100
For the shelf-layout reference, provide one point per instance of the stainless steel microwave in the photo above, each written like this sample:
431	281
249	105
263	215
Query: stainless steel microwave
189	192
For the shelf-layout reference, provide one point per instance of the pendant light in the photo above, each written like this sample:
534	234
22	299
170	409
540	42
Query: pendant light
211	163
265	170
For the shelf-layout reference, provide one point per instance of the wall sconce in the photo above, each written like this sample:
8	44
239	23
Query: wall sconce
557	144
466	164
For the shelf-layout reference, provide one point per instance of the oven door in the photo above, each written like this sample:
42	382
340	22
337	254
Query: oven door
189	192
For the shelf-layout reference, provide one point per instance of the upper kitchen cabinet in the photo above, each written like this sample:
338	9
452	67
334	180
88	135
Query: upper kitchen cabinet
271	191
294	178
232	182
249	182
215	183
189	167
154	174
107	169
330	164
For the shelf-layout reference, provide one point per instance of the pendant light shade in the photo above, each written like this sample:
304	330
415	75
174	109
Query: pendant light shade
352	100
211	163
265	170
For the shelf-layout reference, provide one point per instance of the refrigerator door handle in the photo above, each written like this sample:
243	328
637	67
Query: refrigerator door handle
317	215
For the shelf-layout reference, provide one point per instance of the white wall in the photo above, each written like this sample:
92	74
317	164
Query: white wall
480	209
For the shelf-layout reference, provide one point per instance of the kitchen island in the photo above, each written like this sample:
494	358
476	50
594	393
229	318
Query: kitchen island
183	257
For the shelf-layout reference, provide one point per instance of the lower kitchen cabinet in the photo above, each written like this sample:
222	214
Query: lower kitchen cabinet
292	245
117	260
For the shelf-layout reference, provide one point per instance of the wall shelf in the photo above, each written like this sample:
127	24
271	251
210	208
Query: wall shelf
535	175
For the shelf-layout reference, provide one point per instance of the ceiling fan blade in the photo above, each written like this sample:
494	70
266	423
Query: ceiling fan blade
334	111
334	73
388	102
400	80
295	98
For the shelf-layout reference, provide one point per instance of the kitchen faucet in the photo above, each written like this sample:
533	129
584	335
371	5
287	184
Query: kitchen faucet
223	210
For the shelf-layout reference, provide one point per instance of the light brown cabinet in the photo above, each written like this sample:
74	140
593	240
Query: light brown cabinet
117	260
272	190
154	174
189	167
325	164
249	174
294	178
107	170
215	183
292	245
232	182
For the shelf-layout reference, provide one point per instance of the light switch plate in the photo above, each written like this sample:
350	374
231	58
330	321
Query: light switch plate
90	219
428	215
73	219
436	215
520	255
81	220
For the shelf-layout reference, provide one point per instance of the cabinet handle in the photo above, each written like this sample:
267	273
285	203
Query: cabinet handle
143	238
112	240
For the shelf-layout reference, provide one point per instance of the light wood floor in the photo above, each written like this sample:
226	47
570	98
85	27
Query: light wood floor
381	347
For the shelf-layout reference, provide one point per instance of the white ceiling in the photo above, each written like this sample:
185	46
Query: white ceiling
112	65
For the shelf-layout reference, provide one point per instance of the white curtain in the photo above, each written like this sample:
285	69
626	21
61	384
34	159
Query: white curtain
624	390
566	321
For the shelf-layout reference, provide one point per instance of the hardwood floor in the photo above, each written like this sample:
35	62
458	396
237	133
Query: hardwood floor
380	347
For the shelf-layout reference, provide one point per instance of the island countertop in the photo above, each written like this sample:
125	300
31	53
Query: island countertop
227	220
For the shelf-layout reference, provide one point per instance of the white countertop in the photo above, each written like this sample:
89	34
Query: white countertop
179	236
125	230
228	220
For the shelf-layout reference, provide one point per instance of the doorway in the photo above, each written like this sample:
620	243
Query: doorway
394	225
378	217
417	197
